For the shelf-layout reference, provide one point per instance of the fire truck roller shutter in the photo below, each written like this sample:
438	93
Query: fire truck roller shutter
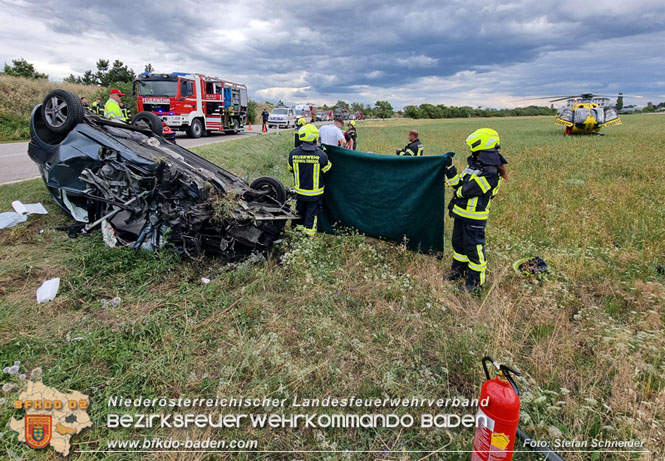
227	97
243	97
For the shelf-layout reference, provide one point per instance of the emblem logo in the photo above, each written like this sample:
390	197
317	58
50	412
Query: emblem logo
38	430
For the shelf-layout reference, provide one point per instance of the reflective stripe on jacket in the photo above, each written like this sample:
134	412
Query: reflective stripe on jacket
112	110
413	149
308	164
474	189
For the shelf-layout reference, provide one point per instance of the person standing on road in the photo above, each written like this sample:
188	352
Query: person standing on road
474	189
299	124
264	116
332	134
414	148
308	163
112	108
351	136
84	101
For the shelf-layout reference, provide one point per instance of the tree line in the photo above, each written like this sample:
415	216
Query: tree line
381	109
443	111
116	74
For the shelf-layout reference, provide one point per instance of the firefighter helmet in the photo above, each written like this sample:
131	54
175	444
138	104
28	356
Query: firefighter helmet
352	123
483	139
301	121
308	133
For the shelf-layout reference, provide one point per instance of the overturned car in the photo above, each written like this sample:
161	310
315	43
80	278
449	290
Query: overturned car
144	191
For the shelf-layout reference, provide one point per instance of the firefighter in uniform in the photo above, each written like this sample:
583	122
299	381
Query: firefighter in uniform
112	108
414	148
351	136
299	124
308	164
97	106
474	188
126	111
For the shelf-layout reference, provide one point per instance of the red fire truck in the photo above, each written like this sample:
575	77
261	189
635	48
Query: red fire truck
195	103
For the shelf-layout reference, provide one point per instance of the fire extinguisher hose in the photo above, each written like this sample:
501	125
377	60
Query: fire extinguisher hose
548	454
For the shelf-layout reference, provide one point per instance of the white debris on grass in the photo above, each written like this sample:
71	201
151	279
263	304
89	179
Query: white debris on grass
48	290
20	213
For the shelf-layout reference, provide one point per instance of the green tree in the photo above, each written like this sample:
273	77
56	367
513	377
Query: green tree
649	108
430	111
383	109
619	105
102	68
341	105
356	106
251	111
71	78
118	73
89	78
148	68
22	68
412	112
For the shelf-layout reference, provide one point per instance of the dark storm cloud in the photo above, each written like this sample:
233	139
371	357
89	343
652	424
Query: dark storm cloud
367	48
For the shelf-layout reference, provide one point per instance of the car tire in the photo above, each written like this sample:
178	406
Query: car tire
152	121
62	110
276	189
195	130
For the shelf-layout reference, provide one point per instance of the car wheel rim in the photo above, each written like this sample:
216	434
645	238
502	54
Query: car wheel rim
55	111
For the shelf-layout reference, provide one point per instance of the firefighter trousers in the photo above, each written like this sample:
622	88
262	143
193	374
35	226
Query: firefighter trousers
469	251
308	210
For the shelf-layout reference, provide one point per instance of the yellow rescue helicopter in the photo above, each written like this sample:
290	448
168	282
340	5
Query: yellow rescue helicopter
586	114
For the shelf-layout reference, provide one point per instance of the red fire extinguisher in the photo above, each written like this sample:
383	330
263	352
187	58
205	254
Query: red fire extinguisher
498	415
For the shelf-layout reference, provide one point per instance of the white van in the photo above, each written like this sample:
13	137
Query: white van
282	117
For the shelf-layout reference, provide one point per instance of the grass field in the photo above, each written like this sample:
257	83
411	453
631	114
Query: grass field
353	316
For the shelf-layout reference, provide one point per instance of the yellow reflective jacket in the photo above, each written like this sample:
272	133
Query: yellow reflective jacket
112	110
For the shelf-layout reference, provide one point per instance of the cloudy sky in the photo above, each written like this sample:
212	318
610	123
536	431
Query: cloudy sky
478	52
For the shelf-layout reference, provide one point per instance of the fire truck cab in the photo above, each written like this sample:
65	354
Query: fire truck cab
194	103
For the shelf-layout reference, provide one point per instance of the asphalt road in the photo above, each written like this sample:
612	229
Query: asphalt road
16	166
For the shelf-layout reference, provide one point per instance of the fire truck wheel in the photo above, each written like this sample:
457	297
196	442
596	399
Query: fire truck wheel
61	110
235	126
195	130
273	186
152	121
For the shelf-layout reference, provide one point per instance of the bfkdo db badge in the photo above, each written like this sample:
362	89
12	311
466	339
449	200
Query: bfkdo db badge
38	430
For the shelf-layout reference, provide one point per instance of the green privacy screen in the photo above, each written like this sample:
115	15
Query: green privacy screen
386	196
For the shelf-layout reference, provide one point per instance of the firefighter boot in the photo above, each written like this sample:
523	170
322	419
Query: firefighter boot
457	271
472	284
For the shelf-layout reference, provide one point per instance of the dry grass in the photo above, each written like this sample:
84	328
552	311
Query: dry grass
18	96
